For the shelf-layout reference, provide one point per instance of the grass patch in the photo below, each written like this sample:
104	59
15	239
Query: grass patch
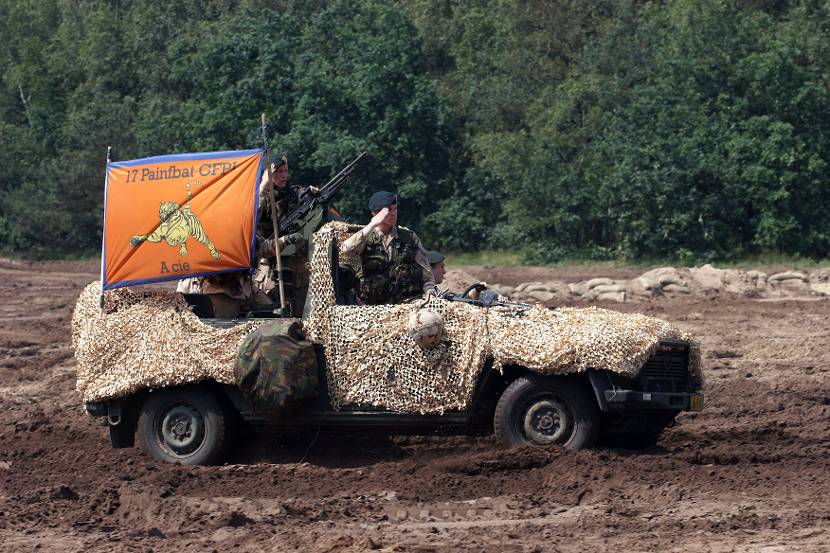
772	260
574	261
496	258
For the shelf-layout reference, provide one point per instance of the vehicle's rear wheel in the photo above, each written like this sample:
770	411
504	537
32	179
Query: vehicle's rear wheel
187	426
546	410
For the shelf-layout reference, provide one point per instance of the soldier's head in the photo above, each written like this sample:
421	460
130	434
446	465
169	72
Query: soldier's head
436	263
381	200
279	169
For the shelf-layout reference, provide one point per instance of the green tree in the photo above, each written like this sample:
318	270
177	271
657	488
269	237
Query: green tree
360	84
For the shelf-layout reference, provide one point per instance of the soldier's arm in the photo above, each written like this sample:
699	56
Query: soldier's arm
303	191
263	188
264	194
421	260
356	243
264	180
264	247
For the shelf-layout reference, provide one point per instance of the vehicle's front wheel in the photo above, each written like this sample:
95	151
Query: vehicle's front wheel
187	426
546	410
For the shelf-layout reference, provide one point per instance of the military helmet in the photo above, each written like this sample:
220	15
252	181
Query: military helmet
426	326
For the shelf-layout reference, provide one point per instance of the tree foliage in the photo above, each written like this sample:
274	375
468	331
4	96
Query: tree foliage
692	129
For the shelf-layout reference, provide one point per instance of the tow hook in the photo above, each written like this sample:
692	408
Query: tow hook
114	413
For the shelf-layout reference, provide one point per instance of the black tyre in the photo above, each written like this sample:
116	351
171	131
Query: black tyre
187	426
544	411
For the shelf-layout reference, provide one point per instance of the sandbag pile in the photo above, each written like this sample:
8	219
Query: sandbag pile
705	281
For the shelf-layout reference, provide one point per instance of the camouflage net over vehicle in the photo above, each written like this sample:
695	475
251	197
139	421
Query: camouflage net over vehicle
147	340
152	340
371	358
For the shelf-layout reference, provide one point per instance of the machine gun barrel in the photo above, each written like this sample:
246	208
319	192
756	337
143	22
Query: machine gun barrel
487	301
337	180
294	221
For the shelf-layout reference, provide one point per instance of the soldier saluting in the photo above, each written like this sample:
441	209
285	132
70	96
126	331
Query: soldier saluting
393	264
287	197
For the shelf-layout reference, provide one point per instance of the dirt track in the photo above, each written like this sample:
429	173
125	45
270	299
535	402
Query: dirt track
750	473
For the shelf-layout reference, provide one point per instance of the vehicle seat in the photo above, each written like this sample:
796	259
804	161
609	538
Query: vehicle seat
347	285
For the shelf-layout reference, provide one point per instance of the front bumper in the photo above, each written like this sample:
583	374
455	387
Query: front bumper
96	408
633	399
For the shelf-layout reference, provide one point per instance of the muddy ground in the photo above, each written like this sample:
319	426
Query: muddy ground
750	473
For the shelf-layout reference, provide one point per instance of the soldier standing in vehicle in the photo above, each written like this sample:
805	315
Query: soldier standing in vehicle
393	262
287	198
231	294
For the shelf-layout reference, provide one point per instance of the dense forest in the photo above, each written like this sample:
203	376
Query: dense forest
690	129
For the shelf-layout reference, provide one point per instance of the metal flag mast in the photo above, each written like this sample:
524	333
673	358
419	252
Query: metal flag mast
103	237
274	221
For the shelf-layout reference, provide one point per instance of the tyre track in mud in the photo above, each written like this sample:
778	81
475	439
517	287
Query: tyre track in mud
748	473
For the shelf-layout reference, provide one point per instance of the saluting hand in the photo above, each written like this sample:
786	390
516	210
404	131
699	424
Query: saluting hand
378	219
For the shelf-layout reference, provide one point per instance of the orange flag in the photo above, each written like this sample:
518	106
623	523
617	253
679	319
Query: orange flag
177	216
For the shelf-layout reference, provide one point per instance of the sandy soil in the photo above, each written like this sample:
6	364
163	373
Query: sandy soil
750	473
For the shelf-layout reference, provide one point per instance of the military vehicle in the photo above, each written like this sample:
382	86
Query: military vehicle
545	377
195	423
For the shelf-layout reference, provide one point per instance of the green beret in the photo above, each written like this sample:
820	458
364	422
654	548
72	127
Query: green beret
381	199
434	257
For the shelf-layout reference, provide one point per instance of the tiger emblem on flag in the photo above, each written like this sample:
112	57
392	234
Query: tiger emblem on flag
177	225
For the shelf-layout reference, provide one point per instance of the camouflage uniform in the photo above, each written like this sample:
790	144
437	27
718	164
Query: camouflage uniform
233	293
287	199
276	367
393	267
230	293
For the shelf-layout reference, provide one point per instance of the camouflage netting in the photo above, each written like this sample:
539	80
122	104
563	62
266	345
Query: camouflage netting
152	339
147	340
372	359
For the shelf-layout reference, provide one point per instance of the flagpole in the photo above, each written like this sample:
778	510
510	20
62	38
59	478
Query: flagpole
103	236
274	220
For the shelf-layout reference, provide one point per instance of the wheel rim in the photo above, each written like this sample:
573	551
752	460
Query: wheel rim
547	421
182	430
